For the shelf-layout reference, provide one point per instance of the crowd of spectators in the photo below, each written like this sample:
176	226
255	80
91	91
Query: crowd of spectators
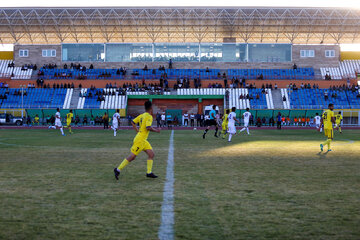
4	85
303	86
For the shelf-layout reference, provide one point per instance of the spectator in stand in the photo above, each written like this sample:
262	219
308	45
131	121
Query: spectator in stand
294	66
326	96
170	64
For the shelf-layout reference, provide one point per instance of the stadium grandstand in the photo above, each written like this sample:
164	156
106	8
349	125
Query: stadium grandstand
262	58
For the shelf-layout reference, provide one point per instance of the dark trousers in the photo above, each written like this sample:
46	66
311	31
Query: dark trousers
106	124
278	124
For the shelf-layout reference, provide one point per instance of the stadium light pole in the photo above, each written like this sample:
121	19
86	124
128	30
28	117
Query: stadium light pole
22	101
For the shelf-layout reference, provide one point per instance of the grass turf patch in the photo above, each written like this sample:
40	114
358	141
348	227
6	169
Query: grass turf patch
271	184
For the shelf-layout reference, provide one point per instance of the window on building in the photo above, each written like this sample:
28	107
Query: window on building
23	53
49	53
329	53
307	53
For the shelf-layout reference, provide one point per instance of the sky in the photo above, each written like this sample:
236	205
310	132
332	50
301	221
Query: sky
119	3
203	3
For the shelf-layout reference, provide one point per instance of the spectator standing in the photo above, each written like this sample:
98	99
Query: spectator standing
278	119
105	119
192	120
168	120
186	119
163	119
158	119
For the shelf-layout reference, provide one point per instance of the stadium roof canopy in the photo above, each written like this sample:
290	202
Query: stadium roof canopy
180	24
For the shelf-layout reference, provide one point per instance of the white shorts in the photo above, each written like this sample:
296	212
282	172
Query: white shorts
231	129
115	125
318	125
58	123
246	124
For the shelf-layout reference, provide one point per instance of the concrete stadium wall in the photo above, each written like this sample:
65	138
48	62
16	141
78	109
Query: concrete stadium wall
35	57
319	60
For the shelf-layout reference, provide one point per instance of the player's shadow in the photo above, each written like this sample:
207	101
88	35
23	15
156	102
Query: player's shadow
322	155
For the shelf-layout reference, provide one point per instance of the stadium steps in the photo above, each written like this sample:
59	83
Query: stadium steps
277	99
317	74
68	97
74	99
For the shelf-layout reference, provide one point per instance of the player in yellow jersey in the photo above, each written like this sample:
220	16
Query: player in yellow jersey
328	119
338	121
69	118
225	124
140	141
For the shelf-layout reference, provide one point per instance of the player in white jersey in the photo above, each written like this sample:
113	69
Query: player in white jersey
116	121
231	124
246	117
317	121
58	124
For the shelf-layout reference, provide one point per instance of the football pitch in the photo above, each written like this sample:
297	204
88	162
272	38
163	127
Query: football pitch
269	185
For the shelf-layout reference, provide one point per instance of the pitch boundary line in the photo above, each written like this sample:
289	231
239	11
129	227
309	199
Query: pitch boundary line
166	229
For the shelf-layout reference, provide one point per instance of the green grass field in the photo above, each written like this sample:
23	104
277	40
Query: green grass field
272	184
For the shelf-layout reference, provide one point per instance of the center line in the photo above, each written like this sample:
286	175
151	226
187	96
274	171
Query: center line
166	230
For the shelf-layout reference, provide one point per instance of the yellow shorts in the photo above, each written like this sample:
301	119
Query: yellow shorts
224	127
338	123
68	123
137	147
329	133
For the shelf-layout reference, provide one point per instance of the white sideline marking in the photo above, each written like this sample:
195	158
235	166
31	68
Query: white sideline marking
166	230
